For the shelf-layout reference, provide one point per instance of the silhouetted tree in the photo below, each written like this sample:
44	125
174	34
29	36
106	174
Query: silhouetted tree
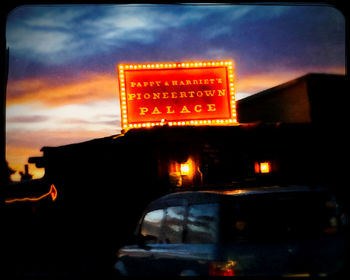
5	173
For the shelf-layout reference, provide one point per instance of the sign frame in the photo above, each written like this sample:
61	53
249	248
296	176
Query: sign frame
228	66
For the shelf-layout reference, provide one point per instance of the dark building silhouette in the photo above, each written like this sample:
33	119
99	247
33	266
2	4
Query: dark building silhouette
294	115
104	184
312	98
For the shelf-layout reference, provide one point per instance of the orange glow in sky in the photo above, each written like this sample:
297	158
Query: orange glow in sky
91	87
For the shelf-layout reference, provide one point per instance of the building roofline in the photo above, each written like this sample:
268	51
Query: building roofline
287	84
111	137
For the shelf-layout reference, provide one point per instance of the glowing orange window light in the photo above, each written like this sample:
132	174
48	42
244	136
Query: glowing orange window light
262	167
52	192
185	169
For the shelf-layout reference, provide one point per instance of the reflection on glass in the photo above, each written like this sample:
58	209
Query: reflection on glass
202	223
152	223
173	226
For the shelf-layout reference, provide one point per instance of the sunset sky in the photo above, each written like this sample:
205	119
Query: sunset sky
62	82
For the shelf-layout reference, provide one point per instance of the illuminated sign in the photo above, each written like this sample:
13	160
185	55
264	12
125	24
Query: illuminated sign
177	93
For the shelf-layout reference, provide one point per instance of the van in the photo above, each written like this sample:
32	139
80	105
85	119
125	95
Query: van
267	231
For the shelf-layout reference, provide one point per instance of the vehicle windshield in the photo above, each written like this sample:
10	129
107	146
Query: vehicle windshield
287	216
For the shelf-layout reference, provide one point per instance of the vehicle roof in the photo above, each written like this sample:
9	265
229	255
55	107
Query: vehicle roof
213	196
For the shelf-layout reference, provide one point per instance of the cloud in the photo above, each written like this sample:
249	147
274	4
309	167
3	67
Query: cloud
232	20
38	42
54	16
121	25
98	123
259	81
56	34
85	35
27	119
89	87
218	53
46	34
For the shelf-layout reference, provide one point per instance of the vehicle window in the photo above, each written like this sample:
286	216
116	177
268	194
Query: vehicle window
293	217
173	226
151	225
202	223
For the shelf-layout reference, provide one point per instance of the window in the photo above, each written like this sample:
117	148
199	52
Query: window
202	223
173	226
290	216
151	225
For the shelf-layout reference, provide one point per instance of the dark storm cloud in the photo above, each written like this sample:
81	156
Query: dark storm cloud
288	37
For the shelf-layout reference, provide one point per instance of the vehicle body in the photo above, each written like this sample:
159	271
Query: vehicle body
273	231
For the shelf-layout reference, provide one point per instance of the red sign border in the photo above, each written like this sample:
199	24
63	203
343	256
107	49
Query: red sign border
227	64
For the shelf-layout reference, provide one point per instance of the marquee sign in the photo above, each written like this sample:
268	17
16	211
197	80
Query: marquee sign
177	93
